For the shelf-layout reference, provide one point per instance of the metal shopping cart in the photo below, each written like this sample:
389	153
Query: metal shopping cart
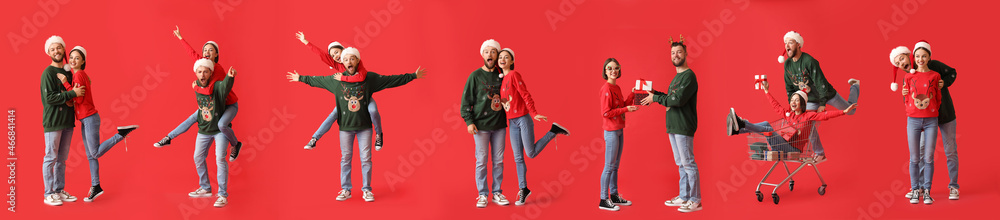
773	147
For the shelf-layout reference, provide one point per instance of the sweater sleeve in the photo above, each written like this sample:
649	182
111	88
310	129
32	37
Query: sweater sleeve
51	92
819	80
937	90
190	50
323	55
325	82
468	99
523	90
81	79
677	97
823	116
225	86
948	74
607	102
355	77
381	82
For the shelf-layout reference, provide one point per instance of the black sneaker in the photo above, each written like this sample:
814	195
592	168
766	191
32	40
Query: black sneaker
607	205
618	200
731	119
94	192
522	195
236	151
163	142
124	130
559	129
378	142
311	144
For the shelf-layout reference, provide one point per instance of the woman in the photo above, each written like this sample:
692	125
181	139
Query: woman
517	104
613	109
922	102
90	121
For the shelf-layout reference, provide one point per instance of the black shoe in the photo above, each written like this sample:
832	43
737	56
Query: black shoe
733	123
559	129
618	200
124	130
163	142
607	205
522	195
236	151
94	192
378	141
311	144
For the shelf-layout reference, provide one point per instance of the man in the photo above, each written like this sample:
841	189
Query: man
681	100
211	108
57	121
900	58
355	121
803	71
485	119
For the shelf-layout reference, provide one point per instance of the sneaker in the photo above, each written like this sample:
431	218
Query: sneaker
618	200
221	202
378	142
499	199
53	200
522	195
607	205
915	196
559	129
343	195
94	192
199	193
731	128
927	197
676	201
481	201
163	142
236	151
311	144
368	196
952	193
66	197
690	207
853	81
124	130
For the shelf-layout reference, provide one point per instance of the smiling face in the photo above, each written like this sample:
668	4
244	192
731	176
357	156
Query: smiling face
335	53
506	61
902	61
678	55
922	57
612	71
76	60
792	47
210	52
795	103
57	52
490	57
203	74
352	64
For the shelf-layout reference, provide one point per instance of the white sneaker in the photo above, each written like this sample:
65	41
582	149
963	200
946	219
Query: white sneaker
690	207
853	81
481	201
952	193
927	197
499	199
368	196
66	197
676	201
53	200
343	195
914	196
200	193
221	202
909	194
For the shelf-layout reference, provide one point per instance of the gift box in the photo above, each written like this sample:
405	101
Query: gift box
642	90
758	150
793	155
759	80
773	156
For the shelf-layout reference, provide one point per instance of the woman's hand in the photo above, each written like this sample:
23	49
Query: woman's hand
541	117
293	76
849	108
336	76
765	87
301	37
62	77
632	108
177	32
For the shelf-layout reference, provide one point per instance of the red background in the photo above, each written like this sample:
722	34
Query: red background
729	42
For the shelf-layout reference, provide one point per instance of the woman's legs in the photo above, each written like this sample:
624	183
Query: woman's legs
184	126
226	119
518	133
930	130
612	148
327	124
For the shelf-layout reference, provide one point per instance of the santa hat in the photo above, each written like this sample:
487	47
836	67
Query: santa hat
509	51
489	43
924	44
900	50
83	51
53	40
781	59
334	44
349	51
213	44
804	94
793	35
205	62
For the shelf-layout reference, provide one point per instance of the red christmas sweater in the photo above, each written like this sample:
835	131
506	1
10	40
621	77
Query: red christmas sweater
613	107
798	127
924	98
217	75
338	67
84	106
515	92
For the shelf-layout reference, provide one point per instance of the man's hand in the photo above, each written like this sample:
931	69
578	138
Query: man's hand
421	73
301	37
232	72
821	108
906	90
293	76
648	99
940	84
79	90
177	32
472	129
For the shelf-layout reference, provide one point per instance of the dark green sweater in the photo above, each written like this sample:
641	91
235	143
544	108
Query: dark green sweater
211	107
353	98
56	115
806	71
481	101
682	98
948	74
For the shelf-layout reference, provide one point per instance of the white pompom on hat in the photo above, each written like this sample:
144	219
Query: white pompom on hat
334	44
54	39
781	59
489	43
205	62
349	51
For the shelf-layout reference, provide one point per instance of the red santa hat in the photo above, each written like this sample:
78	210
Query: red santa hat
344	55
205	62
216	45
790	35
900	50
334	44
489	43
53	40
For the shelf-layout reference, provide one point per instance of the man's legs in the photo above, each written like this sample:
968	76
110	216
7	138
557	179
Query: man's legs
201	145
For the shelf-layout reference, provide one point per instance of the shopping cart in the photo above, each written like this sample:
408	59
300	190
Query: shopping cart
772	147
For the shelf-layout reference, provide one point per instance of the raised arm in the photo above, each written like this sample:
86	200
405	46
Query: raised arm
227	83
188	49
381	82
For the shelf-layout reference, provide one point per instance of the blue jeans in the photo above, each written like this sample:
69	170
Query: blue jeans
837	102
950	151
335	114
777	142
489	144
690	185
91	134
227	117
613	145
925	129
54	164
522	137
347	152
201	146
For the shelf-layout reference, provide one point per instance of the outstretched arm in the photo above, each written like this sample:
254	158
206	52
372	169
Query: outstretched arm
381	82
190	50
324	55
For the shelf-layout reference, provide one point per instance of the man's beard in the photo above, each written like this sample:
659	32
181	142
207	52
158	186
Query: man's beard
57	61
489	65
681	63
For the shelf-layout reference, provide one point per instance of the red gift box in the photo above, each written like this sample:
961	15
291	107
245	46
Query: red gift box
642	90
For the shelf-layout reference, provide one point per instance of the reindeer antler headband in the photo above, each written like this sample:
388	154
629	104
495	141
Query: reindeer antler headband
671	39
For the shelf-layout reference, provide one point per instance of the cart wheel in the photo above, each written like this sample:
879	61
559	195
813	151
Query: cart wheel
760	196
822	190
775	198
791	185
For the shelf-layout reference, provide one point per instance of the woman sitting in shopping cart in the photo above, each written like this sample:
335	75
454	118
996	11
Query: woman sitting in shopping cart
793	134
